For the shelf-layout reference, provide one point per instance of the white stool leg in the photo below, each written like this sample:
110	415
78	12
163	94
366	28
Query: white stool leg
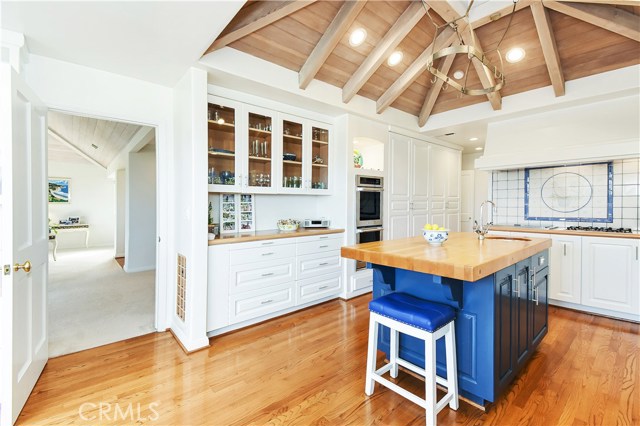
452	367
394	353
430	380
371	355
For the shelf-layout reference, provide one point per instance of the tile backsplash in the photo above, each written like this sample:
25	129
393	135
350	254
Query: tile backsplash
563	201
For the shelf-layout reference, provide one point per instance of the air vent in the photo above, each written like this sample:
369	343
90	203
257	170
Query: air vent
181	286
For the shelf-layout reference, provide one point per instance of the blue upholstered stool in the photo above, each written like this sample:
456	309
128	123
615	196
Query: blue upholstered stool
425	320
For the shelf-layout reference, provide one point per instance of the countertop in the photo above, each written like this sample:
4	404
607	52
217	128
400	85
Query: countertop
503	228
271	234
462	256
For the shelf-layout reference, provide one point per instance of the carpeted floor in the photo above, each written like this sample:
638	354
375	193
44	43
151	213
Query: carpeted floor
92	301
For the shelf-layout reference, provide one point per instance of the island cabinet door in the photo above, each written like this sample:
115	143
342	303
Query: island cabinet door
521	310
539	304
504	327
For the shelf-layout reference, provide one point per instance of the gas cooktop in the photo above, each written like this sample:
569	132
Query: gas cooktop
599	229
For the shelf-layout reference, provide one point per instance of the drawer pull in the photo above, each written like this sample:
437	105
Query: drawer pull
264	302
323	238
268	254
325	246
323	264
267	243
267	274
323	287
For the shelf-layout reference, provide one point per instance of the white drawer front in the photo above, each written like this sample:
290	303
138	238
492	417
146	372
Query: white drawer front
312	265
322	237
319	246
263	243
313	288
259	254
252	276
257	303
362	280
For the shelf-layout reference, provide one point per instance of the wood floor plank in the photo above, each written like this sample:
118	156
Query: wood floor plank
308	369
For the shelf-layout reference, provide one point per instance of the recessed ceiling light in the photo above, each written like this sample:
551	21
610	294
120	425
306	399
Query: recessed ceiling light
357	37
473	139
479	148
394	58
515	55
458	74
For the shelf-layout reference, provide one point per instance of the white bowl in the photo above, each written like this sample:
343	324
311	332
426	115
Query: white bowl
288	227
436	238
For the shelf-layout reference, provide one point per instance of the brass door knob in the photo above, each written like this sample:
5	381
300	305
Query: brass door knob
26	266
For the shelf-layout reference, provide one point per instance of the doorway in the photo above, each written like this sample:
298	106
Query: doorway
102	206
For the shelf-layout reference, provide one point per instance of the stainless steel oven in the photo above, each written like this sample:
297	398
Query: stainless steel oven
367	235
369	200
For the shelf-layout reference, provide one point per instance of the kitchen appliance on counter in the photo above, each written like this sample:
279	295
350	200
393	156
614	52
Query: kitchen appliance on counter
599	229
316	223
369	200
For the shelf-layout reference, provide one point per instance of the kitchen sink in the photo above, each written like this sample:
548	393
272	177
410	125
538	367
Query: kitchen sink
508	238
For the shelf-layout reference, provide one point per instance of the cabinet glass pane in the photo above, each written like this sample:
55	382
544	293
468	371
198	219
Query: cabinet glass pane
292	154
260	150
319	158
228	214
221	145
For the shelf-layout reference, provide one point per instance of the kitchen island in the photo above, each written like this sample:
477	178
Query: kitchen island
498	287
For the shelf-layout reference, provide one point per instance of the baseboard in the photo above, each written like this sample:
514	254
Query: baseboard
138	269
119	255
192	346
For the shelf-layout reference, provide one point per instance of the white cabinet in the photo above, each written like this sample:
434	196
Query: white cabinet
610	273
444	173
565	275
254	281
424	186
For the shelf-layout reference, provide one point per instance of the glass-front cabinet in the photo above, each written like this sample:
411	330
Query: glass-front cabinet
320	140
260	152
222	146
293	154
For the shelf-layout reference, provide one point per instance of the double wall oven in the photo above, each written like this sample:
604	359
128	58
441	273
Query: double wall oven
368	211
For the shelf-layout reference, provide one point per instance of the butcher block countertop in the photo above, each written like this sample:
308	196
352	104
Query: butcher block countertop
271	234
462	256
632	235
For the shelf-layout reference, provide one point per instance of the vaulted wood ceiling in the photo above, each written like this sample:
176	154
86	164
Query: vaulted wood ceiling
563	40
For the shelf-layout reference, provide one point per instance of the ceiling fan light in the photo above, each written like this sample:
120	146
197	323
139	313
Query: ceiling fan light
515	55
357	37
395	58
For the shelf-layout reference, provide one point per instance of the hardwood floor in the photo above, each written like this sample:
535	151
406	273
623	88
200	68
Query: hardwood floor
308	369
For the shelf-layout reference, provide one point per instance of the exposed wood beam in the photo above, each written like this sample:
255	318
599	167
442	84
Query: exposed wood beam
254	17
605	16
340	24
614	2
505	11
444	39
549	48
434	92
383	49
468	36
74	148
486	76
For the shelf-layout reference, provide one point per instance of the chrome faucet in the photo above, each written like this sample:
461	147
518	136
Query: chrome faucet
483	228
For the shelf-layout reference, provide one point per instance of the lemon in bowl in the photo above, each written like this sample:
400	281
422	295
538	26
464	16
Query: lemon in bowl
435	234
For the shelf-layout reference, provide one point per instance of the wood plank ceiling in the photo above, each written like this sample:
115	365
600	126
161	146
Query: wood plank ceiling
563	41
99	140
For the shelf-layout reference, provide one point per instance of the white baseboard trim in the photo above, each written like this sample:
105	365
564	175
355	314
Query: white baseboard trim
138	269
119	255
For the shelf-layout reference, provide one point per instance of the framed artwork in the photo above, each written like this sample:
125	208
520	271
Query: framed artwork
59	190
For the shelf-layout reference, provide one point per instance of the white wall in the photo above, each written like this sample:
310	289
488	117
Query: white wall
468	160
92	198
140	222
83	90
121	185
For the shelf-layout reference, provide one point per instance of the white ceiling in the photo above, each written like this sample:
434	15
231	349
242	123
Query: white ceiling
154	41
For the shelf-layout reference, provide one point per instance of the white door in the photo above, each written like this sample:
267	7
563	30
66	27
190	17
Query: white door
419	181
565	258
24	238
399	187
466	210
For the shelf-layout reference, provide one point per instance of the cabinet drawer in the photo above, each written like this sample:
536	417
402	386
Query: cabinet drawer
252	276
319	246
540	260
312	265
317	288
250	305
259	254
362	280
